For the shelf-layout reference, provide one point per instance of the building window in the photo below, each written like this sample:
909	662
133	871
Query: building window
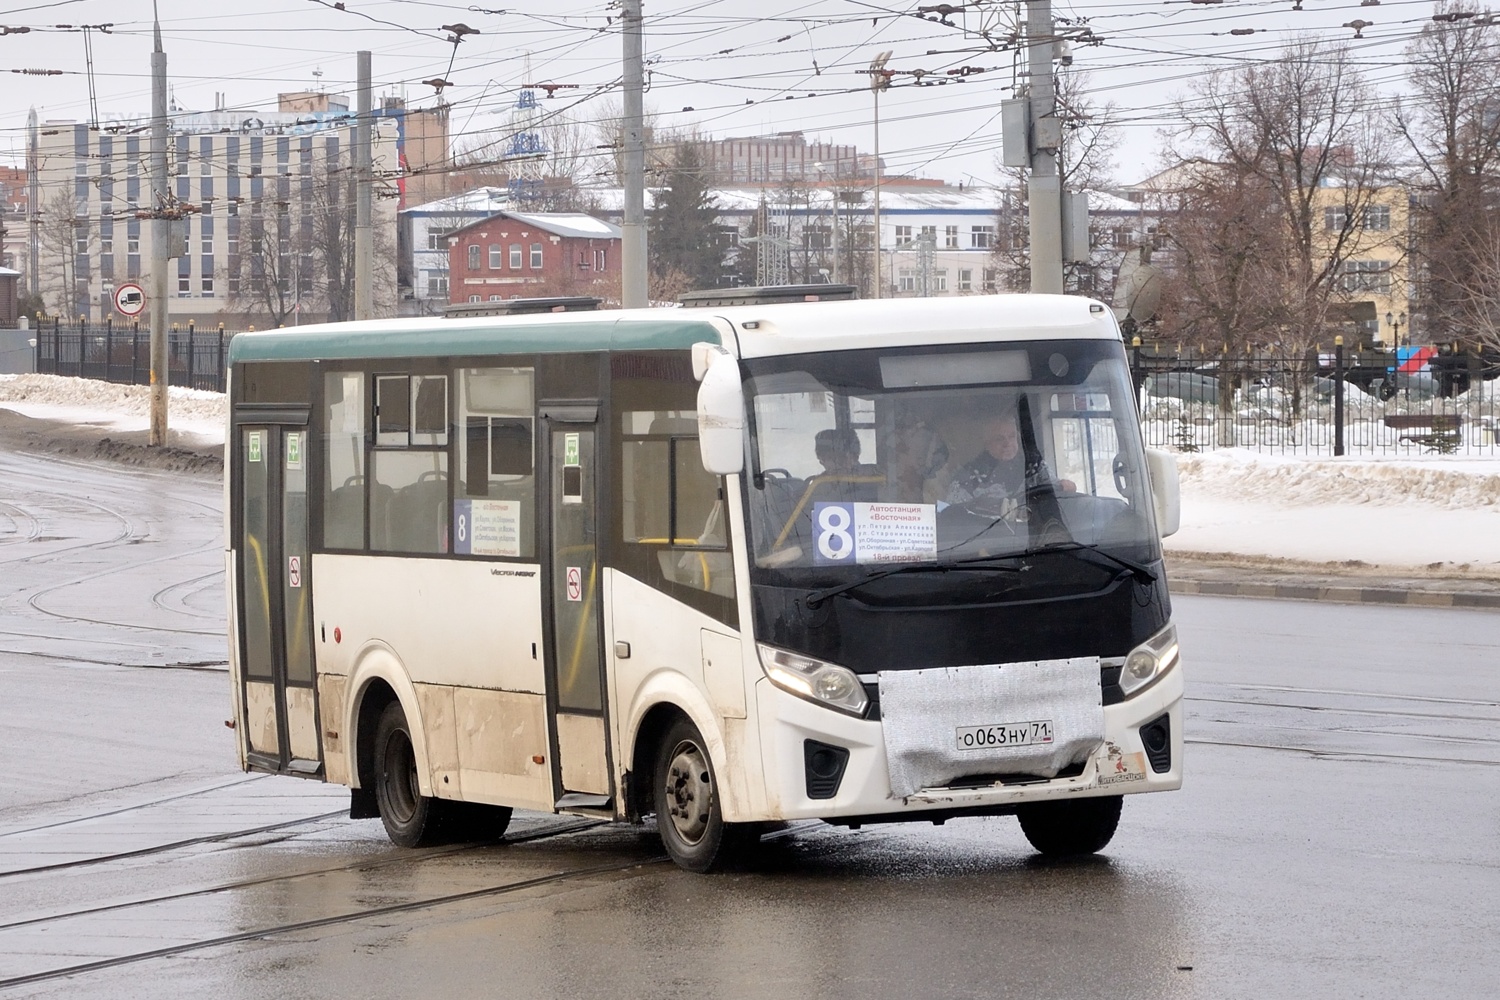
1366	276
474	257
206	240
1335	219
515	256
990	276
940	280
903	235
184	286
536	256
475	298
931	233
1378	217
437	286
208	286
981	237
497	298
950	237
495	262
965	279
106	242
437	238
133	243
906	280
598	260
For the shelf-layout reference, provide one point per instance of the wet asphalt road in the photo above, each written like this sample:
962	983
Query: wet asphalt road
1336	836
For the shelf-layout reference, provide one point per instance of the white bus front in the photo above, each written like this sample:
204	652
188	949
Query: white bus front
958	595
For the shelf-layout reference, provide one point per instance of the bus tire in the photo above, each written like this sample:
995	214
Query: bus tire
686	798
411	819
1070	827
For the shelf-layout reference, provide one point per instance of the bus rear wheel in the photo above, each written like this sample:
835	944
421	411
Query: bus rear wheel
688	815
411	819
1071	827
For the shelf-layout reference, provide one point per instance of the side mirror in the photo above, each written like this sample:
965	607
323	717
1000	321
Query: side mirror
1165	490
721	417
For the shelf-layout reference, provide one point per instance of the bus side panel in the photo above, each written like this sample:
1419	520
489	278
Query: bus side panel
465	639
666	665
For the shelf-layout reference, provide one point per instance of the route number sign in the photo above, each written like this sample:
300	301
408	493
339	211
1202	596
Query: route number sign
130	299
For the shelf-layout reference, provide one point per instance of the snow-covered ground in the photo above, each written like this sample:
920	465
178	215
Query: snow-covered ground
1437	511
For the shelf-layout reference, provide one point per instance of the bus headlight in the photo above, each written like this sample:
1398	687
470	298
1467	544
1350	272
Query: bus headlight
1149	660
816	680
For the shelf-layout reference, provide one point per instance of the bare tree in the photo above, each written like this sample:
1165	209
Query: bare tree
64	234
1302	132
1451	124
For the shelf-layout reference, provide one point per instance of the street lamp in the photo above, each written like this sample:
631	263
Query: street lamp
1395	323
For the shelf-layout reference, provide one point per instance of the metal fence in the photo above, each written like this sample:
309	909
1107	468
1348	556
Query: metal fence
104	351
1334	403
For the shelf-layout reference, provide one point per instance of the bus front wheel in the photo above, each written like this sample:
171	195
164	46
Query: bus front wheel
410	818
1070	827
688	815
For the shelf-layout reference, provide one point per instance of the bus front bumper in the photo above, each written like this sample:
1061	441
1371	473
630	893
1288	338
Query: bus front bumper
1120	765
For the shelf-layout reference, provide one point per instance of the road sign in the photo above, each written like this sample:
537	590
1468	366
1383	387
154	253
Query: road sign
130	299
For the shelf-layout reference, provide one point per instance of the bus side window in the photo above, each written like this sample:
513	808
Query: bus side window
344	460
409	468
494	506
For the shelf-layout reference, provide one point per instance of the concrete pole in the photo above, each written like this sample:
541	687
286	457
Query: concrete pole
161	235
33	202
633	247
878	88
1044	186
364	245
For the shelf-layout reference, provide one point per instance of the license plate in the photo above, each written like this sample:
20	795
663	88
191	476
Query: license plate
1005	734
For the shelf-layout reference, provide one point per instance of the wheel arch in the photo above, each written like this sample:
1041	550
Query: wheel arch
378	678
663	698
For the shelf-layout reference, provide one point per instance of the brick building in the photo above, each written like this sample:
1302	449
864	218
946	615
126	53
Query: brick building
523	255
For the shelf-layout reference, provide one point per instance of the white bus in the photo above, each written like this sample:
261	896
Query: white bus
851	561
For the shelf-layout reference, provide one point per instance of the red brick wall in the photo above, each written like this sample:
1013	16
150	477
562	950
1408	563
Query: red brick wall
505	243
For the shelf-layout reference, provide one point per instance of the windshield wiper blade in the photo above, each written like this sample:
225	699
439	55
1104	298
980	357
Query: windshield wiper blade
1140	572
817	597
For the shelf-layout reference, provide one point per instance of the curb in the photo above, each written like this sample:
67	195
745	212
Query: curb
1339	595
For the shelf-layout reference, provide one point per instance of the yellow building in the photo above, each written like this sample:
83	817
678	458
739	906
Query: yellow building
1374	279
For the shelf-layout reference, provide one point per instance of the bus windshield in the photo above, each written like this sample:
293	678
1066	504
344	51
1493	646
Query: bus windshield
1000	457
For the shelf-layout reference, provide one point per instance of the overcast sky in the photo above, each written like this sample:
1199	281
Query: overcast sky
792	67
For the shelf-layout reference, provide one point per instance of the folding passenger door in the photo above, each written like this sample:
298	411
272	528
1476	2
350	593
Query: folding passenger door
274	597
575	664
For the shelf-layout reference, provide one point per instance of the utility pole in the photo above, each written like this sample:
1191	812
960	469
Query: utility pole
879	80
364	245
1044	185
633	246
33	197
161	230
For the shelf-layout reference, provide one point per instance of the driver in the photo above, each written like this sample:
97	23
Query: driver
1000	472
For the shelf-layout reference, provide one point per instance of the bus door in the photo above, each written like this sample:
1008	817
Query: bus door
575	664
275	597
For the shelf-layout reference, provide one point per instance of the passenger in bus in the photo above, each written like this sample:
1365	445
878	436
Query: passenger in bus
916	457
844	477
1000	473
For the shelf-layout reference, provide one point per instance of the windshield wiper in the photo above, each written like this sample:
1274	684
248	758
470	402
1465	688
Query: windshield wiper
1141	573
817	597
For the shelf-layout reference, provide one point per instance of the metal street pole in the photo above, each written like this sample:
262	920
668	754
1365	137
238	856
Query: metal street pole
633	293
33	202
1044	186
879	80
161	234
364	244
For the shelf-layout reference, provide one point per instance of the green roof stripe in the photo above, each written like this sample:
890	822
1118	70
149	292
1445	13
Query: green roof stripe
457	338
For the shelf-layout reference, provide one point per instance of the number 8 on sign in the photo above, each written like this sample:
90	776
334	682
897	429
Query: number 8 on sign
835	537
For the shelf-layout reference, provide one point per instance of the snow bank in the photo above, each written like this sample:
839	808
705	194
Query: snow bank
1452	482
118	407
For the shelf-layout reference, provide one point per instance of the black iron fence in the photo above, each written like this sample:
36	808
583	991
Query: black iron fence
122	353
1342	402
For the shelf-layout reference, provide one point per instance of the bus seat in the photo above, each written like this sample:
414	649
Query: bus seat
417	521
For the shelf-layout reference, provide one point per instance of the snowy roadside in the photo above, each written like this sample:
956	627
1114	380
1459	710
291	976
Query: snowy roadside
1421	516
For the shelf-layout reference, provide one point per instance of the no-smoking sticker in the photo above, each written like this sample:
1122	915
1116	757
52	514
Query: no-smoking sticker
575	583
294	571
